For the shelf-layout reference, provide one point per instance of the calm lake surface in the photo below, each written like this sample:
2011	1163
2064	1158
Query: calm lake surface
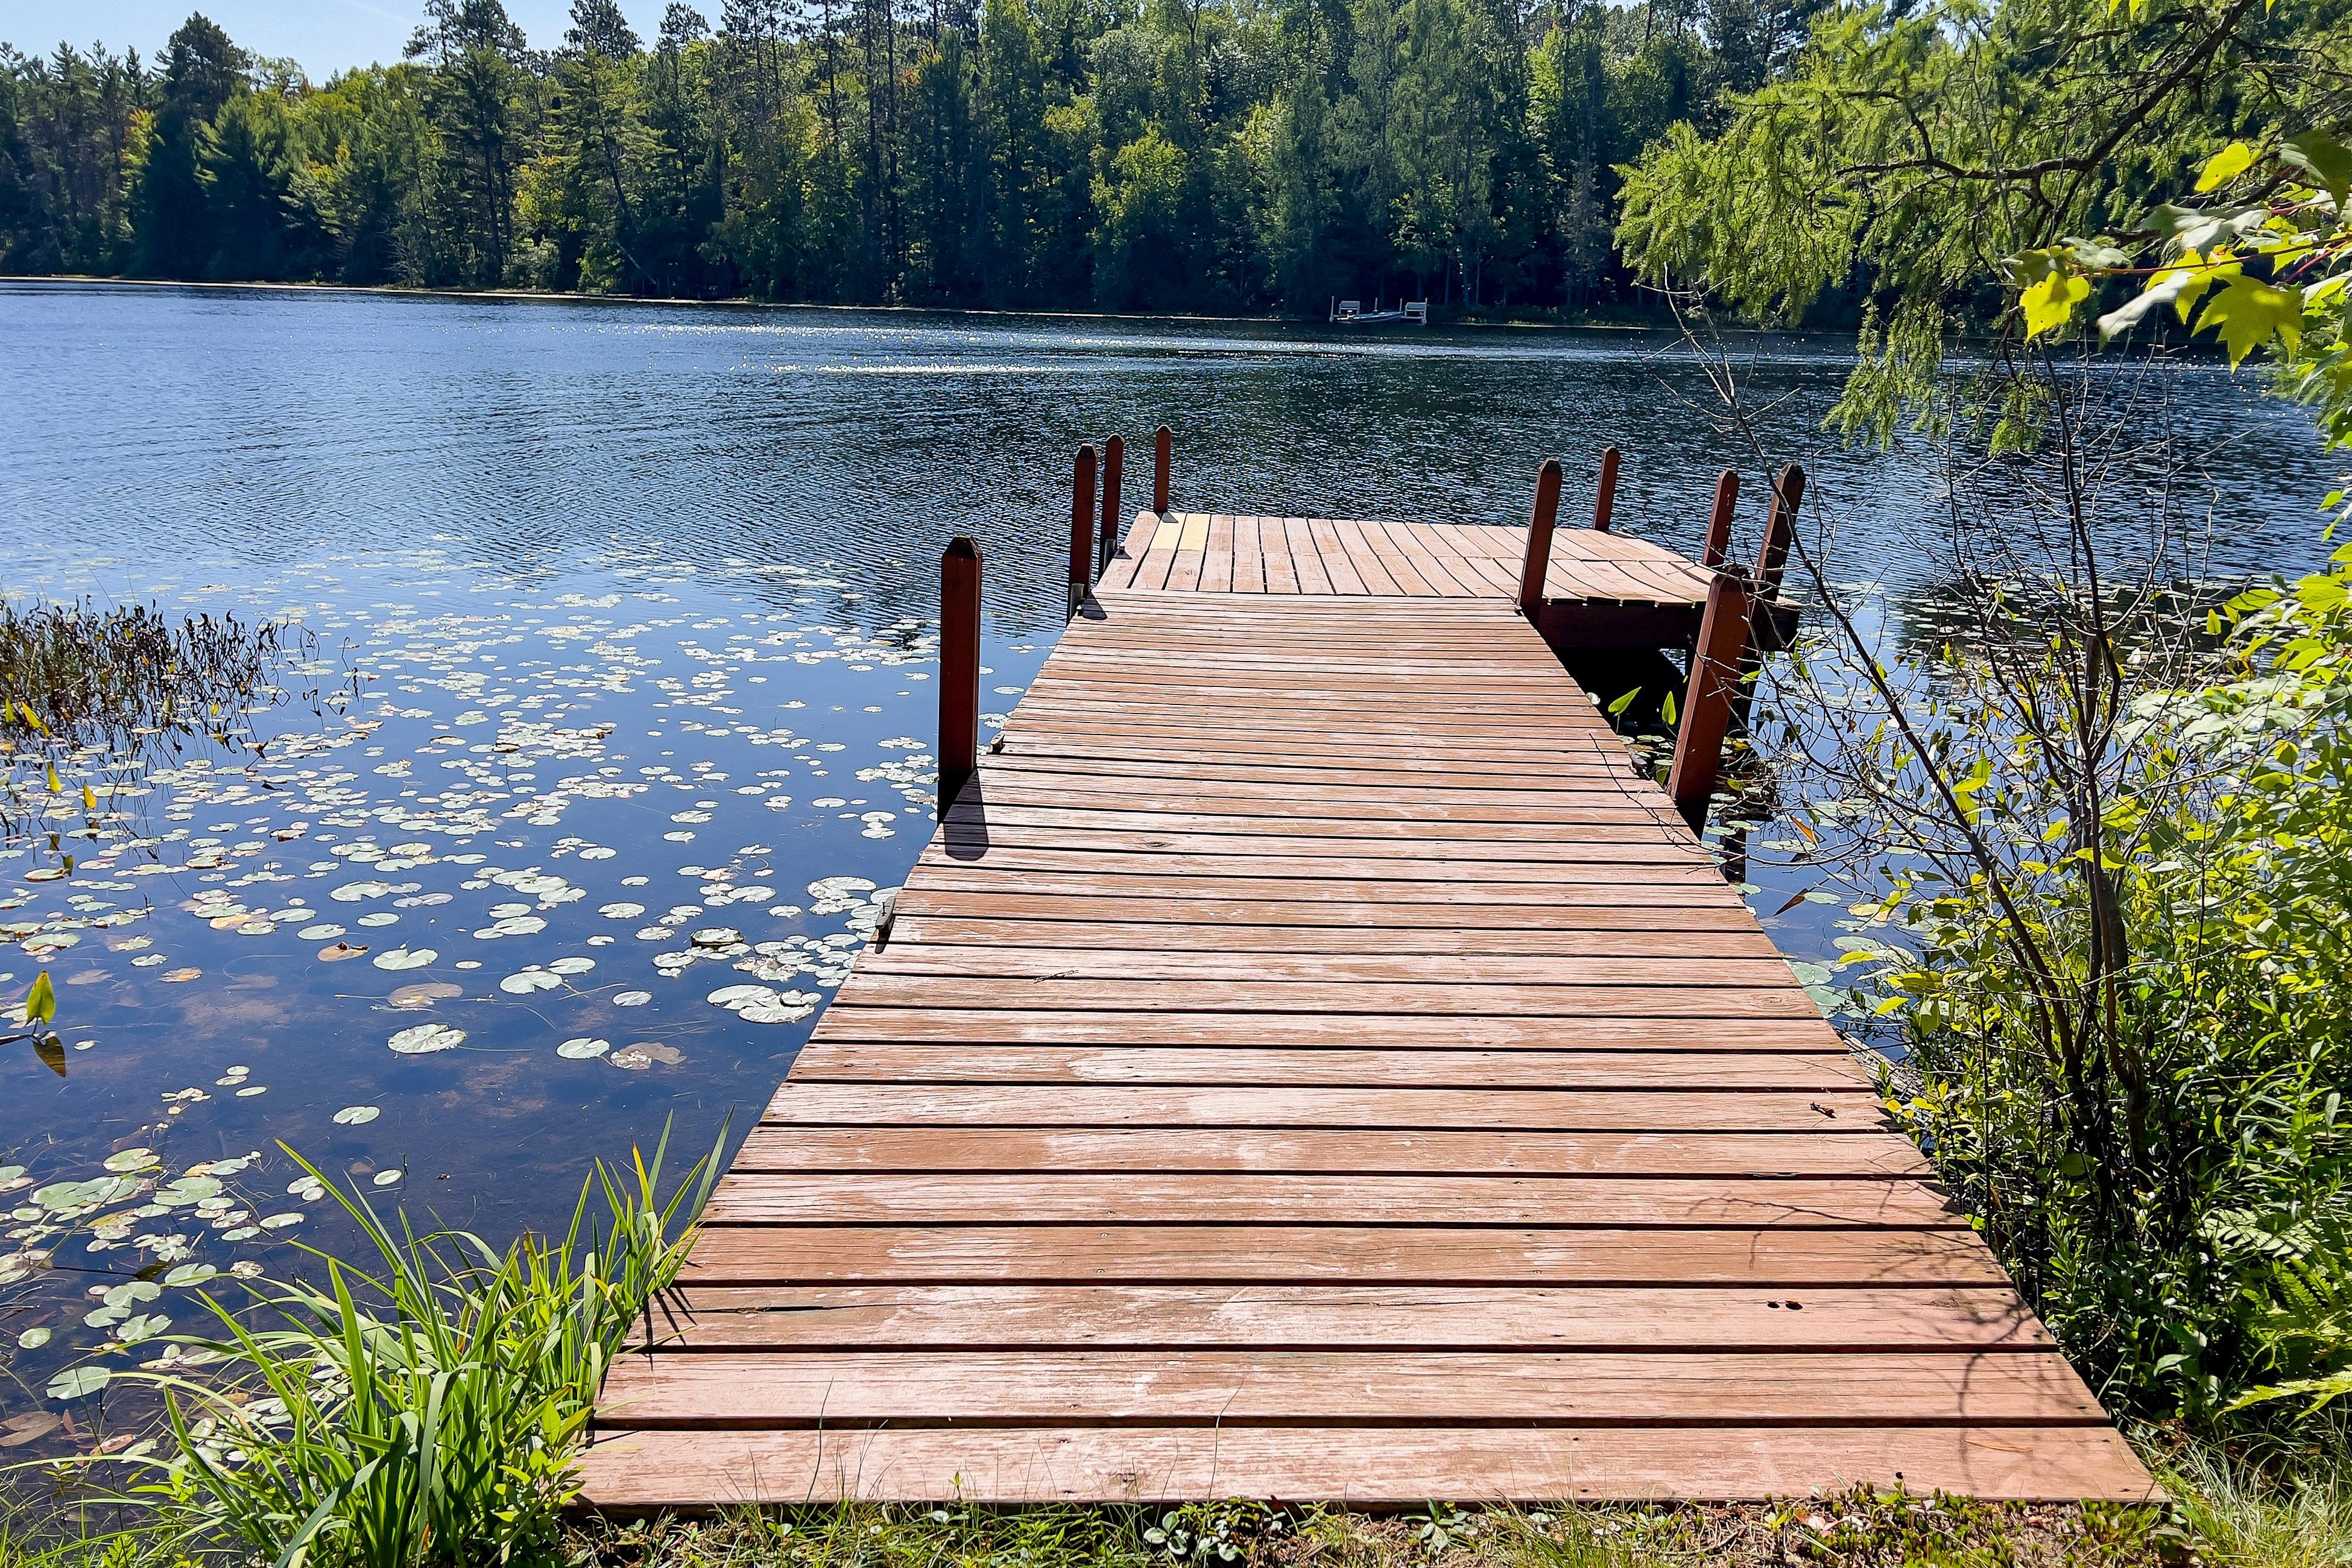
618	696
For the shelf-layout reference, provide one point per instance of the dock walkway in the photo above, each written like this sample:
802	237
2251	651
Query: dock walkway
1311	1061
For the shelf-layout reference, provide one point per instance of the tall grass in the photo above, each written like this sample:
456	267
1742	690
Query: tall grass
2292	1514
427	1409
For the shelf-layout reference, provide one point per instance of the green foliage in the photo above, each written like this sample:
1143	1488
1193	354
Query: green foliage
1918	157
1013	154
424	1409
2164	1169
41	1001
2295	1511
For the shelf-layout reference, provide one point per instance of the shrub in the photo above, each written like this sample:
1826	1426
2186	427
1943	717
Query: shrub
2172	1192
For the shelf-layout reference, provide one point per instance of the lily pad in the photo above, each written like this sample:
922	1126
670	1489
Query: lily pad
336	953
424	993
583	1048
405	958
424	1039
78	1381
514	925
529	981
357	1115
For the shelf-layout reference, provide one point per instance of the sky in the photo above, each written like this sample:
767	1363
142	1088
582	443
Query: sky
324	36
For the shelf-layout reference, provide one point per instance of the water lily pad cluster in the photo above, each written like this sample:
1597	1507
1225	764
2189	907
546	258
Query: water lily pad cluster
392	916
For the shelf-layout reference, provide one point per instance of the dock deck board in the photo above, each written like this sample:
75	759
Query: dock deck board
1310	1061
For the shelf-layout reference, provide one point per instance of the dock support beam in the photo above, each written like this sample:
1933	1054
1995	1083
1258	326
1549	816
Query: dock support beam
1161	443
1114	467
1082	528
1540	528
959	667
1604	499
1717	674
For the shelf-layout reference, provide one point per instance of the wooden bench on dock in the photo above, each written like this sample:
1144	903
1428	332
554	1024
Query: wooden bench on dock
1311	1061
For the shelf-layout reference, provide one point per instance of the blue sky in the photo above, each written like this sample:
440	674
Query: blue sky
325	36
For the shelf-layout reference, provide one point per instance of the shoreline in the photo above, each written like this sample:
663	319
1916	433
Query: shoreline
743	302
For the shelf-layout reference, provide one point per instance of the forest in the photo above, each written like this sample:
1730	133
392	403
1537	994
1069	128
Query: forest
1188	155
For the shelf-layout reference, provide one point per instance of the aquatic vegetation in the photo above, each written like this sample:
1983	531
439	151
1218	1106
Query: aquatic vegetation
77	675
85	691
424	1406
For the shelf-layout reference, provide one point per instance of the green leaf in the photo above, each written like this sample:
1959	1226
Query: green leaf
77	1382
2226	166
1667	710
2249	313
1618	707
2325	159
41	1001
2180	287
2050	303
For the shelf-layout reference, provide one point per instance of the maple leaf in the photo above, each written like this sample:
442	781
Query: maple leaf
2249	312
2051	303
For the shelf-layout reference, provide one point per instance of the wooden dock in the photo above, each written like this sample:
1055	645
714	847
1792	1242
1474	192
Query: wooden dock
1312	1061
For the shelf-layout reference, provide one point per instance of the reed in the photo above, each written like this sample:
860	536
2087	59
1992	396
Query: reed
424	1409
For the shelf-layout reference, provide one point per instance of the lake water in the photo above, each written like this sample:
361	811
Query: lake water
618	696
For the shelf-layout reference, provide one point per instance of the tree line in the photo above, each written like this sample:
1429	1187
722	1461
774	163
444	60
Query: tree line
1188	155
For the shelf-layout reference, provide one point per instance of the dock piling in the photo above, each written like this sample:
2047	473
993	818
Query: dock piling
1719	522
1604	499
960	570
1717	671
1161	443
1764	630
1082	528
1540	528
1114	468
1780	530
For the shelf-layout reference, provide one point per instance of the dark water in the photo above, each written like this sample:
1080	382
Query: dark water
632	611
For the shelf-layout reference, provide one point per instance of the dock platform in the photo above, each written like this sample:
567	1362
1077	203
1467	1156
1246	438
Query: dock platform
1312	1061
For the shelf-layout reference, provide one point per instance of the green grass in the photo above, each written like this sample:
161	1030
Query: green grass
2293	1511
1860	1531
2228	1513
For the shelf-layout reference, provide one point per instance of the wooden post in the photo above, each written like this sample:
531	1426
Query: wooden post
1719	522
1539	527
1082	527
1604	500
1162	441
1763	632
1779	530
1716	666
1114	465
959	667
